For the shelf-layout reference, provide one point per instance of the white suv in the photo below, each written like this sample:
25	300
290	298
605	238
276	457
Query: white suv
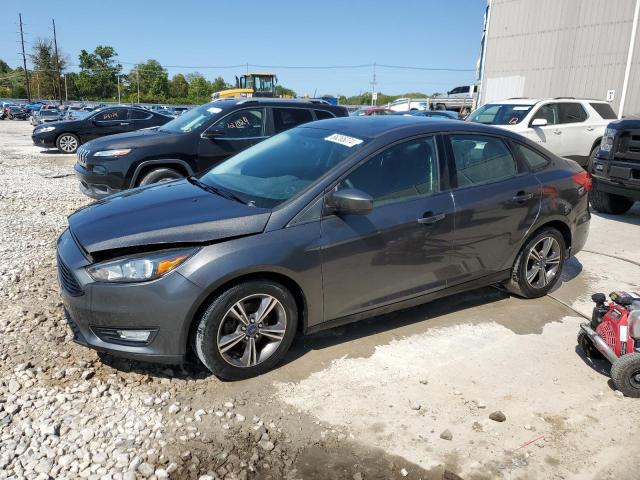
568	127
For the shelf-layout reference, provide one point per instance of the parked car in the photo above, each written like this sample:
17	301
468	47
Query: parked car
431	114
568	127
465	91
45	116
15	112
616	167
320	225
365	112
68	136
33	106
177	111
76	114
408	104
192	143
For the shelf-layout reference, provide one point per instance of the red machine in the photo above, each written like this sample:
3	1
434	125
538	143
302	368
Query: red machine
614	333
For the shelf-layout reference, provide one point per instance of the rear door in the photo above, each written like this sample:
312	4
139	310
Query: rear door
140	119
284	118
400	249
236	131
497	199
577	132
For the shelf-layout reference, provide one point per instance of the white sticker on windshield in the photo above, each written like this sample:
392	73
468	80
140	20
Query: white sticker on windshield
214	110
345	140
521	108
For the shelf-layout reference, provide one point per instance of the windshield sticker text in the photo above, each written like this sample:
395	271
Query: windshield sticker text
345	140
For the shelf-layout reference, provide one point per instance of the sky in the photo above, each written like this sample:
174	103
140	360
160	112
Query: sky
207	35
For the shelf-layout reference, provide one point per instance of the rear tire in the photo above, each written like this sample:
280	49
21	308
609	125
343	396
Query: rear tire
625	373
233	349
538	266
587	346
160	175
604	202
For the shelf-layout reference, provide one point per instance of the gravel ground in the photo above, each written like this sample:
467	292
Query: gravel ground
415	394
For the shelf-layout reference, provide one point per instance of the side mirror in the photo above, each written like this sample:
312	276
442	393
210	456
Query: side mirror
213	133
350	202
539	122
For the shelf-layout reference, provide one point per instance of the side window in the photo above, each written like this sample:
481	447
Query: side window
286	118
323	114
549	112
572	113
242	124
481	159
533	158
404	171
112	114
139	114
604	110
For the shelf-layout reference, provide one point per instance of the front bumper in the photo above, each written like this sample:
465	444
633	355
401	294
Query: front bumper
97	186
627	189
162	306
45	140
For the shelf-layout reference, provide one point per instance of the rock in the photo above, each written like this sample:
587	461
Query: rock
146	469
619	394
174	408
88	374
498	416
65	460
87	434
404	472
415	406
50	429
266	445
130	475
477	427
206	477
446	435
424	381
14	386
11	408
149	401
185	455
530	427
228	405
480	404
161	474
240	418
358	476
100	458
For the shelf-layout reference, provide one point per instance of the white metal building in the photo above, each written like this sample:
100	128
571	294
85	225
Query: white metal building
555	48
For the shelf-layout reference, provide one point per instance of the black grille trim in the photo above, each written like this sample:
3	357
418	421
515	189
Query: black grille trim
67	281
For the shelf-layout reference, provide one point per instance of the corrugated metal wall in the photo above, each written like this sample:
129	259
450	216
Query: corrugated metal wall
552	48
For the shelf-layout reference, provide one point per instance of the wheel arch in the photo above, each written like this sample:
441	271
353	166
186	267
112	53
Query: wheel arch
270	275
559	225
145	167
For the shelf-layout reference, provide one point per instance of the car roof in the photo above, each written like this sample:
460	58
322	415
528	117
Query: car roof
533	101
225	103
377	126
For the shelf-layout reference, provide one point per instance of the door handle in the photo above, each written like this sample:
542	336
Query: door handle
124	124
429	218
522	197
589	129
558	132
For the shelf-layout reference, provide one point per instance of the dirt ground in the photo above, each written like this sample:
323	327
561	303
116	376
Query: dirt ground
366	401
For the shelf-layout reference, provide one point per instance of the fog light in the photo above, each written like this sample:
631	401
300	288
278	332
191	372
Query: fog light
99	170
125	336
134	335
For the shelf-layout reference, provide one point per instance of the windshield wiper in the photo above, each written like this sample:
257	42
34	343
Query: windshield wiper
218	191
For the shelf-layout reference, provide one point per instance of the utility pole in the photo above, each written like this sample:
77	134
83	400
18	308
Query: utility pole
373	86
66	93
119	89
55	44
24	61
138	77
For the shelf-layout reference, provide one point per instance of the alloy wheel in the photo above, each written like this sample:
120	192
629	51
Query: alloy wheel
68	143
543	262
251	330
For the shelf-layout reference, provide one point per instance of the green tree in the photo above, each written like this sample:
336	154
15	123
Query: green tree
285	92
199	88
179	87
4	67
98	77
152	79
219	84
45	78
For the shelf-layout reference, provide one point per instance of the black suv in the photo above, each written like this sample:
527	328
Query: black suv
191	143
616	168
68	135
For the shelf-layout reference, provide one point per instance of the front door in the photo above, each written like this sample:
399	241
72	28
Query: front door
401	248
550	135
497	200
106	122
235	132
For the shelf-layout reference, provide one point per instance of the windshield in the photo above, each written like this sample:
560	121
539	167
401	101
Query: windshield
500	114
276	169
191	120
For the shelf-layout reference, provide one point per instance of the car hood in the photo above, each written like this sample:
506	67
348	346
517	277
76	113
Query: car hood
167	213
137	139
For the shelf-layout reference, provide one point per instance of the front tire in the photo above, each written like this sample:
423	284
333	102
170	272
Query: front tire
246	330
160	175
625	373
538	266
67	143
604	202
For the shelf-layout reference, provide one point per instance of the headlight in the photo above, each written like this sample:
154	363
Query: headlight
607	140
140	268
45	129
113	153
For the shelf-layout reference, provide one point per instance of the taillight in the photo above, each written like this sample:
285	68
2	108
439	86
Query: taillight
583	179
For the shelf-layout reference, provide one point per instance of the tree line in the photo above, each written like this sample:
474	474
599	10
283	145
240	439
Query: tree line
101	78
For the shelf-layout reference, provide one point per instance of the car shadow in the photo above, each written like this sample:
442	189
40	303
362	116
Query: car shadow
51	151
631	217
304	344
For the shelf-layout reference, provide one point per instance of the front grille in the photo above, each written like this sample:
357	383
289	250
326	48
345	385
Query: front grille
67	281
83	153
628	145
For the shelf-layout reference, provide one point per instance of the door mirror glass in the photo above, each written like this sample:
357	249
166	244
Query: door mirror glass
350	201
539	122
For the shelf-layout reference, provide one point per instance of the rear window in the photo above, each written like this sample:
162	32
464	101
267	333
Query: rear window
604	110
323	114
572	113
286	118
